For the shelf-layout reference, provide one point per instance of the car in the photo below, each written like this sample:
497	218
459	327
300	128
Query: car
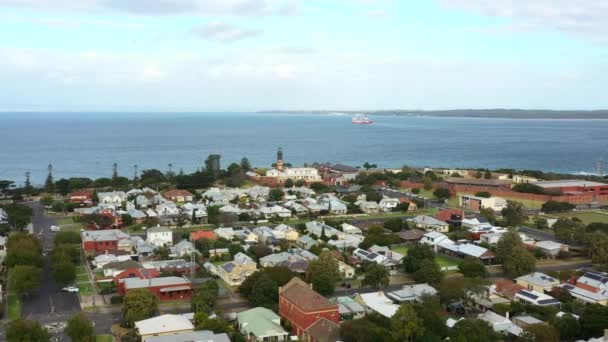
71	289
55	228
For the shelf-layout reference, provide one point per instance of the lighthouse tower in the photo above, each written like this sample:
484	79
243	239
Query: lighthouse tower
280	166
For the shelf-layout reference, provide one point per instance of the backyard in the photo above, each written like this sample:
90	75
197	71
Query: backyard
442	260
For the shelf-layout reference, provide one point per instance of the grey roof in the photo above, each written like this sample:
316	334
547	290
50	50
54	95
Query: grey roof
136	283
195	336
158	230
528	319
228	267
539	279
412	292
567	182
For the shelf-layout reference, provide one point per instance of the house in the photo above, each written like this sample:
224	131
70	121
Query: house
475	223
286	232
275	211
101	241
506	288
3	216
451	216
323	330
103	259
171	266
466	249
348	308
526	321
163	326
345	270
183	248
306	242
552	248
137	215
200	335
113	268
536	298
293	261
308	174
137	272
500	324
377	302
477	203
434	239
366	256
301	306
412	293
114	198
574	187
345	241
591	287
82	196
261	325
235	272
179	196
318	228
159	236
369	207
411	236
203	234
350	229
141	247
429	223
388	204
167	209
164	288
225	233
537	281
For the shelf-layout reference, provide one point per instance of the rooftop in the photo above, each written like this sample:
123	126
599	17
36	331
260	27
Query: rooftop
567	183
305	298
163	324
261	322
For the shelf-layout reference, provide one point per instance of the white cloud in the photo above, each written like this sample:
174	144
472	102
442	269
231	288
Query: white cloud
581	17
223	32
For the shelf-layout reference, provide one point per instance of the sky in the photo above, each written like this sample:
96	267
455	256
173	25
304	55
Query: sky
245	55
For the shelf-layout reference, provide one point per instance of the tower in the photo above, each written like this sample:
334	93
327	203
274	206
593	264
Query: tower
280	166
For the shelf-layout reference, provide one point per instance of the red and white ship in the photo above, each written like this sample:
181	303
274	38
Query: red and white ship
362	120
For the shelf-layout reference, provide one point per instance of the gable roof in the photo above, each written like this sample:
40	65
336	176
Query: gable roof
324	330
305	298
203	234
163	324
260	322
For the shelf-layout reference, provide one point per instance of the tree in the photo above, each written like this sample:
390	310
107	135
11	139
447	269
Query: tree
161	253
415	256
18	215
362	330
569	230
598	247
24	278
181	220
323	273
80	329
472	330
404	207
288	183
442	193
540	332
488	214
528	188
300	183
245	164
406	325
127	220
264	293
394	224
429	272
276	194
472	268
376	276
519	262
49	184
213	214
279	274
259	251
483	194
66	237
62	186
205	297
507	242
138	304
373	196
568	326
514	214
594	320
22	330
557	207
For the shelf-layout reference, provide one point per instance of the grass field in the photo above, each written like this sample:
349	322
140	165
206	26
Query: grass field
14	307
440	259
83	282
587	216
104	338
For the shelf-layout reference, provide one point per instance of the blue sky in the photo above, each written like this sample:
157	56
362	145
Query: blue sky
238	55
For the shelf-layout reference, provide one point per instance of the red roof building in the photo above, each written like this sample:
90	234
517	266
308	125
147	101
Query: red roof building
164	288
179	195
302	307
203	234
81	196
141	273
446	214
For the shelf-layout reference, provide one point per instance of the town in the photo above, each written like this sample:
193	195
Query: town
318	253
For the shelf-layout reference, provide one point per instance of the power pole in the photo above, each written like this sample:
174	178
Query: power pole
135	172
599	167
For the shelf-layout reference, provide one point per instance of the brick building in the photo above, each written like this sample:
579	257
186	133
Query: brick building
164	288
102	241
574	187
301	306
81	197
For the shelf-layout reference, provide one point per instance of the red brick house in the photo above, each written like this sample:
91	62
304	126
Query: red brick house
446	214
323	330
102	241
203	234
141	273
302	307
164	288
81	197
179	195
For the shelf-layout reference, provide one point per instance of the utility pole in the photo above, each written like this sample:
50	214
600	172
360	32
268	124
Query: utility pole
599	166
135	172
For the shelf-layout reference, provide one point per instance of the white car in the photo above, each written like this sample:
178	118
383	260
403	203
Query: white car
55	228
71	289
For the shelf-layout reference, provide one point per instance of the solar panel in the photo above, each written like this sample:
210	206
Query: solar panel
593	276
372	256
568	287
548	301
528	294
363	252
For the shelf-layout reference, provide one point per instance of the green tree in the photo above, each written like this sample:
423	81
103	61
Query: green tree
394	224
245	164
205	297
483	194
363	330
442	193
288	183
519	262
300	183
18	215
64	272
22	330
488	214
80	329
66	237
264	293
24	278
507	242
49	184
594	320
569	230
276	194
415	256
568	326
406	324
473	330
323	273
598	247
23	249
138	304
376	276
213	214
472	268
540	332
429	272
514	214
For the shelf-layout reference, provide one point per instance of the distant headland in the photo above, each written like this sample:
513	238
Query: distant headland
470	113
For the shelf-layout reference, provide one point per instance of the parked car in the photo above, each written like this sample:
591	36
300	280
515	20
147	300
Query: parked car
55	228
71	289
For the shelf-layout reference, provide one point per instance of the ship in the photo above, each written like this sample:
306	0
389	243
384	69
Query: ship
362	120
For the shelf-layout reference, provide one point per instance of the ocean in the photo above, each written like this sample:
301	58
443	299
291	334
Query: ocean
87	144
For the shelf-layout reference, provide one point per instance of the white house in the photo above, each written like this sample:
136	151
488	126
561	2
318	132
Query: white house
429	223
299	173
162	326
369	207
477	203
378	302
275	210
434	239
3	216
350	229
388	204
114	198
182	249
3	240
160	236
167	209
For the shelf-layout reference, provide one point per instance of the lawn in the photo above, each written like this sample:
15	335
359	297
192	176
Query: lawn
83	281
400	249
84	288
442	260
588	216
104	338
14	307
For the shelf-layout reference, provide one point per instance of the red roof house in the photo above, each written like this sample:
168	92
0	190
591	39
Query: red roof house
203	234
302	307
141	273
179	195
81	196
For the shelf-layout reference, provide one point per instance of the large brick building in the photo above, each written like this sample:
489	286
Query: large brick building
302	307
574	187
102	241
164	288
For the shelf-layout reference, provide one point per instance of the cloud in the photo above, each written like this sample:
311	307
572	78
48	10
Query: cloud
161	7
378	14
587	18
223	33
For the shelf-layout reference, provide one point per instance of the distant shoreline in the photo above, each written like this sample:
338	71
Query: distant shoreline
468	113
